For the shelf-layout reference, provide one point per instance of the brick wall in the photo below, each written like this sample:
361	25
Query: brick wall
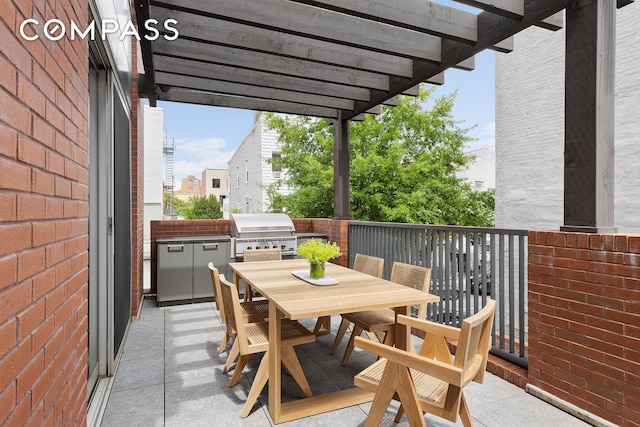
336	231
137	185
584	321
43	220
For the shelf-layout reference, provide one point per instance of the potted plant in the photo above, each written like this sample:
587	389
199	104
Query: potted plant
317	253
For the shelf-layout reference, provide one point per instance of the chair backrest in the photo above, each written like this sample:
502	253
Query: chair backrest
475	342
271	254
415	277
231	303
369	264
215	283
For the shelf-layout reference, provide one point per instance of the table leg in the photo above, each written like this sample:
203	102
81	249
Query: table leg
275	357
402	332
323	325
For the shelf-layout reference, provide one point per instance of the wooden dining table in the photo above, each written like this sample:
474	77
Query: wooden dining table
297	299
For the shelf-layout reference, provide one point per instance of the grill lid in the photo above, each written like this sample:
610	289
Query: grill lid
261	225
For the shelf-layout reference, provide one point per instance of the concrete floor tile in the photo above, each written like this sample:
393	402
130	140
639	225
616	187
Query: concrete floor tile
138	373
193	400
140	407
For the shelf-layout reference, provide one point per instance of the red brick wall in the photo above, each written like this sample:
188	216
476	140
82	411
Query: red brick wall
584	321
336	231
43	220
137	186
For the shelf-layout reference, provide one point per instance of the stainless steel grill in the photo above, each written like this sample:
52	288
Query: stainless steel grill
261	231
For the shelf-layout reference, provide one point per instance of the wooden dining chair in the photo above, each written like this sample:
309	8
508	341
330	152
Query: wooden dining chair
254	311
431	381
252	338
365	264
380	323
250	255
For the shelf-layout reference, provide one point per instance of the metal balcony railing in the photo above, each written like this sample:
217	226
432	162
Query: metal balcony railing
469	265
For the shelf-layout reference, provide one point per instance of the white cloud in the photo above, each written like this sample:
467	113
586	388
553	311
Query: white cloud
484	135
489	130
192	156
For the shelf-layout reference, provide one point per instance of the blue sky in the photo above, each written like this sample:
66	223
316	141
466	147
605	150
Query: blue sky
207	137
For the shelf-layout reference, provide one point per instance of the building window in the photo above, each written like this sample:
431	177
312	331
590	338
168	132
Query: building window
237	177
246	170
276	168
215	183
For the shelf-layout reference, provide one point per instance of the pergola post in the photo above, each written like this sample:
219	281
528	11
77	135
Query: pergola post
589	116
341	168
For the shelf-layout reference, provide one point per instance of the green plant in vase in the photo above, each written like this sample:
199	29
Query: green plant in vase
317	253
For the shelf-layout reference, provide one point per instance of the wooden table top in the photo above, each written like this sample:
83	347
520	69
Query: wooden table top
299	299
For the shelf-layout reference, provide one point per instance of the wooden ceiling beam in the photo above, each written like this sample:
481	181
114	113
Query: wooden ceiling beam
142	14
203	98
513	9
296	18
418	15
241	89
185	48
218	31
258	78
492	30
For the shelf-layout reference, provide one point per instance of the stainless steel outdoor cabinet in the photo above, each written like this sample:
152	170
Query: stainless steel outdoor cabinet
183	275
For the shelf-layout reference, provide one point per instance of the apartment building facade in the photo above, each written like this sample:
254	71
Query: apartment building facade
251	170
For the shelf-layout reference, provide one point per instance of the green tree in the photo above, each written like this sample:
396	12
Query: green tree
178	205
403	166
203	208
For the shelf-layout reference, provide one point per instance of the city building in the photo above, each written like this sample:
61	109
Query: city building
216	182
251	170
481	173
153	190
189	187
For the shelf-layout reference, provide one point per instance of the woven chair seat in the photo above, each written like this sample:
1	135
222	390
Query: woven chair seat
255	311
293	333
428	388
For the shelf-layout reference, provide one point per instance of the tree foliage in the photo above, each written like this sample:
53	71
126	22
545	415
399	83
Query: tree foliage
178	205
203	208
403	166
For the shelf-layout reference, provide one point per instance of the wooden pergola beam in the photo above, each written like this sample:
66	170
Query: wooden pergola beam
184	48
492	30
230	101
242	89
205	29
228	73
294	18
418	15
589	117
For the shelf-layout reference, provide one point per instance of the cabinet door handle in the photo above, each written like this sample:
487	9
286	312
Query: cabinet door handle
175	248
209	246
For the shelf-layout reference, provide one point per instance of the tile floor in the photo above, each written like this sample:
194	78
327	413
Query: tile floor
171	375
